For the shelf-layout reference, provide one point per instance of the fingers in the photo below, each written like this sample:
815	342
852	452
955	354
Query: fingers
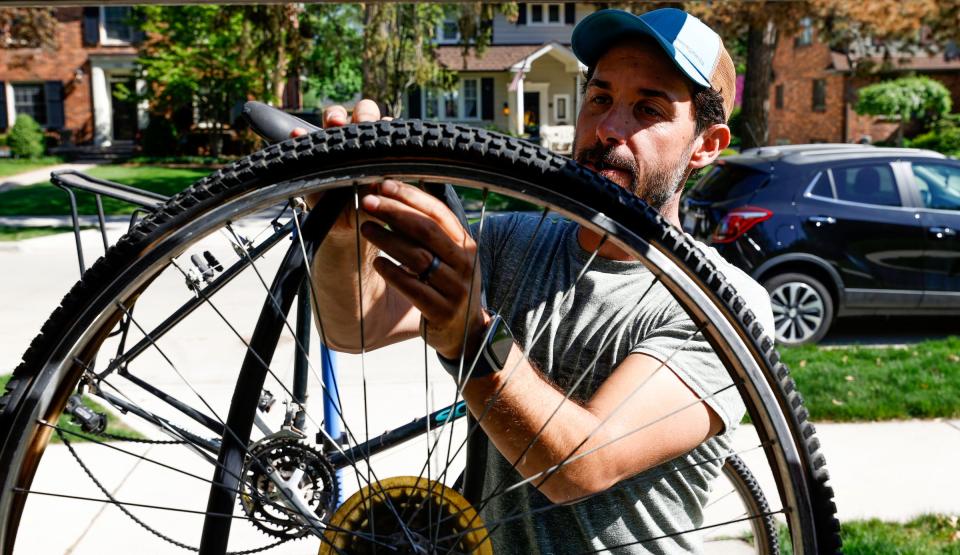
335	116
416	221
415	259
432	303
420	201
366	110
297	131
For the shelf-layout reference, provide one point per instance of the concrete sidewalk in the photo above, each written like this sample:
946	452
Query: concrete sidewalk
893	471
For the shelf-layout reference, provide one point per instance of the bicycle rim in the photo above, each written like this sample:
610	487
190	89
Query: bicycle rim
210	216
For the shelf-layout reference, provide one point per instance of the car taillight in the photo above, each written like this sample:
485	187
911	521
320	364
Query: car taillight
737	222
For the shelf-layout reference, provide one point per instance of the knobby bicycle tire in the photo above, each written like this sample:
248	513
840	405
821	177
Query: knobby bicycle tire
53	364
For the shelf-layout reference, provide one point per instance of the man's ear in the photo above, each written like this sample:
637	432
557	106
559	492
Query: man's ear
710	144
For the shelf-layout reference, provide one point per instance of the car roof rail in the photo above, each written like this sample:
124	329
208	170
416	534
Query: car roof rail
783	150
808	157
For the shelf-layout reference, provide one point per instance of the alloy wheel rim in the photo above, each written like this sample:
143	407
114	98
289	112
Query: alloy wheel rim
798	312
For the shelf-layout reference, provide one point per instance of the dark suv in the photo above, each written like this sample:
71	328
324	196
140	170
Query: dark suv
835	230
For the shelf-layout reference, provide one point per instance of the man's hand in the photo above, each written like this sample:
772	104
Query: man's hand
337	116
421	228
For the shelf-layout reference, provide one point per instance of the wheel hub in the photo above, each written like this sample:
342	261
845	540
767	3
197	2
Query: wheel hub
406	515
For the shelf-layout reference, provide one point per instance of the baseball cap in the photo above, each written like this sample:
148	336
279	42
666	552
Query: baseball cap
695	48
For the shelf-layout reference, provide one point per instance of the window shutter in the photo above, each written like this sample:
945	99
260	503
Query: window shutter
413	103
570	13
53	93
91	26
3	106
522	14
486	98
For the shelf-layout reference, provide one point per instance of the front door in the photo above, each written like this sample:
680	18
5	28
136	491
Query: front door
531	113
938	185
124	107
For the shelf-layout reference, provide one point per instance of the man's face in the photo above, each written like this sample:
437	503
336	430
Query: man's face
636	125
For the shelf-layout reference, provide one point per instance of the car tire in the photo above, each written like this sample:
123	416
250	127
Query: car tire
802	308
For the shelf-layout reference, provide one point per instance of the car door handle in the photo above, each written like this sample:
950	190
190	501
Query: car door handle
941	232
822	220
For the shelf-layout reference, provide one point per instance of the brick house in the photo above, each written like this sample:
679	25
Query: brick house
815	89
70	91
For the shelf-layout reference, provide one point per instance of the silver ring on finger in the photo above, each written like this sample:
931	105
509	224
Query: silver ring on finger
434	264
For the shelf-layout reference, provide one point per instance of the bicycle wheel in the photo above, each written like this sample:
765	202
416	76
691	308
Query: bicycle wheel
257	474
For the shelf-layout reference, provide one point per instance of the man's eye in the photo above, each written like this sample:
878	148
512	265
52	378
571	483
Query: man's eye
600	99
649	111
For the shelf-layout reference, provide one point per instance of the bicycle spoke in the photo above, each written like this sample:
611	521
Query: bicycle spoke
309	518
620	485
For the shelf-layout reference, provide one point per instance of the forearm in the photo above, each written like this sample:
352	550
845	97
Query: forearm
515	419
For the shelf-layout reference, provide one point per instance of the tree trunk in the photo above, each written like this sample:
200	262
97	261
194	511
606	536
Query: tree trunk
761	45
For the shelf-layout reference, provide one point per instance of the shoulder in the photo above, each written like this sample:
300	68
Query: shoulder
758	299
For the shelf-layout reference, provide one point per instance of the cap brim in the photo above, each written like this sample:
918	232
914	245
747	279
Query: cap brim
597	32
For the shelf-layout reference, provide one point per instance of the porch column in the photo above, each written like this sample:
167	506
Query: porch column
101	107
578	96
518	116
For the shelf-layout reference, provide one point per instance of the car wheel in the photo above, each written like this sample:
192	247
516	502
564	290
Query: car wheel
802	308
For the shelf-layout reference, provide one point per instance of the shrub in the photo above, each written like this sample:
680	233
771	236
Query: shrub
26	138
159	138
944	139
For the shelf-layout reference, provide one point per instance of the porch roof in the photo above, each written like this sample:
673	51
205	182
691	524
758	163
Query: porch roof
494	58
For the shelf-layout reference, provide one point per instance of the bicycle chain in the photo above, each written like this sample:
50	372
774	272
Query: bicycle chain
144	525
117	437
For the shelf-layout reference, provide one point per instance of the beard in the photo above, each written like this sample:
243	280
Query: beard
660	183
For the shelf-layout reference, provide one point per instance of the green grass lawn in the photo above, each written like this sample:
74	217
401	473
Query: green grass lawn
46	200
114	426
863	383
12	167
924	535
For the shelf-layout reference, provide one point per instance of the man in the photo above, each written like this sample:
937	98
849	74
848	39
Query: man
645	426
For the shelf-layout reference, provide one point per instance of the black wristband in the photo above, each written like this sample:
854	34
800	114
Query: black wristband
497	341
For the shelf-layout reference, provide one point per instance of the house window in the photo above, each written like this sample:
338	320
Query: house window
805	38
115	25
819	95
462	103
546	14
778	97
29	99
430	104
561	108
449	31
471	99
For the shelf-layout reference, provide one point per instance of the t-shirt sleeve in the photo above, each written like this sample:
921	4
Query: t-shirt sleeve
684	350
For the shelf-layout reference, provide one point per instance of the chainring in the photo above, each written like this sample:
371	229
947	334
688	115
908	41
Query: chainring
264	502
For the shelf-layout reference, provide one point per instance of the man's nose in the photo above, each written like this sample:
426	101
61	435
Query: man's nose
615	126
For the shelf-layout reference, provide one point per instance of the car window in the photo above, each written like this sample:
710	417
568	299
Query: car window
728	181
867	184
821	186
939	185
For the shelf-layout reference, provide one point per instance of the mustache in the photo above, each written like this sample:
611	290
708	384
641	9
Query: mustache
608	157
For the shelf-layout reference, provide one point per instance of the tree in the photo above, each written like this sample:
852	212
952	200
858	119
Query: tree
28	28
333	65
892	24
399	49
905	98
197	58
